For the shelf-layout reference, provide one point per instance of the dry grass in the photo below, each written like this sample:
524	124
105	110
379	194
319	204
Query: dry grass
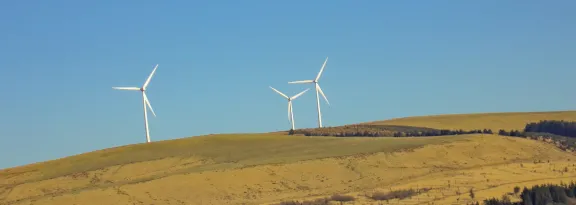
271	168
494	121
135	164
471	162
216	152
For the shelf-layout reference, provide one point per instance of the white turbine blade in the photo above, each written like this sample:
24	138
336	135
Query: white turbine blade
299	94
279	92
125	88
148	103
320	89
150	77
321	69
289	110
301	81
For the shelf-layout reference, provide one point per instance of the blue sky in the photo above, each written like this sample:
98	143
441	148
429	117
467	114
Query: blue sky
387	59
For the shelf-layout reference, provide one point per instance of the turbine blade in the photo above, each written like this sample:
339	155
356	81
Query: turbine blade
321	69
299	94
150	77
148	103
320	89
301	81
279	92
125	88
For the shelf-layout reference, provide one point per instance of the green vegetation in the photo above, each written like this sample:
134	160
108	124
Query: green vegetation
397	194
384	131
321	201
540	195
561	133
557	127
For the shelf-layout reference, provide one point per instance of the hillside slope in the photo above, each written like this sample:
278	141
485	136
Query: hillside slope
195	180
138	163
268	168
494	121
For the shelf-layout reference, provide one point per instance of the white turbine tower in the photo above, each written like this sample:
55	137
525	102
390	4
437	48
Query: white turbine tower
290	113
144	100
318	89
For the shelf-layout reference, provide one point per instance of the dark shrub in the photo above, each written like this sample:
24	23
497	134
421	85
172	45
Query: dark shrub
341	198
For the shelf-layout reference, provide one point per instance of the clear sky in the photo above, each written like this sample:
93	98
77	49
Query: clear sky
387	59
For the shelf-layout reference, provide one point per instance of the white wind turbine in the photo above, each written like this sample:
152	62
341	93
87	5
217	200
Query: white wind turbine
144	100
290	113
318	89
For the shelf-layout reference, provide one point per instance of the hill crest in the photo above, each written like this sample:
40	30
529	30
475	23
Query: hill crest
208	157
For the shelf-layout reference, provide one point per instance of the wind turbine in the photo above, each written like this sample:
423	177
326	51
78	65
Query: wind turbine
318	90
290	113
145	101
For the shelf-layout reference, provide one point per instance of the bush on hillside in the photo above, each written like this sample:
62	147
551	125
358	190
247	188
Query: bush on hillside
321	201
396	194
342	198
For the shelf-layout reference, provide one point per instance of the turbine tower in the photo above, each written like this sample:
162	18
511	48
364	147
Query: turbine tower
318	90
290	113
145	101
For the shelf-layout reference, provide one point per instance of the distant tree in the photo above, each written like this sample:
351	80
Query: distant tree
494	201
542	195
516	190
558	194
472	195
526	197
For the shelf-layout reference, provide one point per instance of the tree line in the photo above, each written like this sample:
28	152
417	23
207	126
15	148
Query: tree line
557	127
561	133
539	195
547	128
384	131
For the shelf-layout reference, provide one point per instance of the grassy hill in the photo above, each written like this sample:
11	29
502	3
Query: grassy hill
273	167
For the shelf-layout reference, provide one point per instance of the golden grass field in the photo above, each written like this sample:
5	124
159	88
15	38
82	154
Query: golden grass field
494	121
268	168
